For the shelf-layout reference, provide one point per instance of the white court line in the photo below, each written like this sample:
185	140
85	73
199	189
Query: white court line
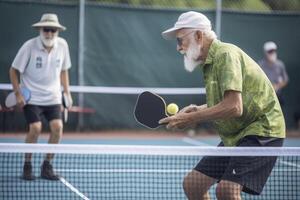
284	170
72	188
123	170
290	164
194	142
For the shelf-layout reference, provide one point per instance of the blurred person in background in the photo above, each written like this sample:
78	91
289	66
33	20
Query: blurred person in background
274	69
297	114
241	102
41	65
297	119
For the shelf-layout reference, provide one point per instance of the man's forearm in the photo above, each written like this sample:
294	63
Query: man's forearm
14	79
65	81
282	84
219	111
202	107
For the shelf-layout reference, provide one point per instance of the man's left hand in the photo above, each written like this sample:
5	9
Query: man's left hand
179	121
70	100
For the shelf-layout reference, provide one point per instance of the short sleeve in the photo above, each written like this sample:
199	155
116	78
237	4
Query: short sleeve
67	60
230	73
22	58
284	73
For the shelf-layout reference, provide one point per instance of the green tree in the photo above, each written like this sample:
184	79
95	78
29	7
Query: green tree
244	5
283	4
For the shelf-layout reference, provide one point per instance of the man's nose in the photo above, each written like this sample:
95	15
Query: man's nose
179	48
49	35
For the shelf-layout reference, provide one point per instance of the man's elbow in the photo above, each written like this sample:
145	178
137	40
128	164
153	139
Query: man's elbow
237	110
233	104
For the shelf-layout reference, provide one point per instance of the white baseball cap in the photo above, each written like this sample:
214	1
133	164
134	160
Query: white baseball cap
189	19
49	20
268	46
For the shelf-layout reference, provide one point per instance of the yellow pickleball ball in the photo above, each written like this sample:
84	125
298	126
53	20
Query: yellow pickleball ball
172	109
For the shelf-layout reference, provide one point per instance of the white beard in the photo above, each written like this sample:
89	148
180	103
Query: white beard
191	56
48	42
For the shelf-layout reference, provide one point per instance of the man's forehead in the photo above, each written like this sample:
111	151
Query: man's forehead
181	32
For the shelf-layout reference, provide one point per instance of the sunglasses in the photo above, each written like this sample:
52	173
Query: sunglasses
52	30
271	51
180	39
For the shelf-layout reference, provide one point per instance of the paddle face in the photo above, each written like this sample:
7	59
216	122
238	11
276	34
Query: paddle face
11	99
66	105
149	109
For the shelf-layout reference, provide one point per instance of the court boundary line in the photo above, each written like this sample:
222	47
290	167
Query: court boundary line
195	142
72	188
290	164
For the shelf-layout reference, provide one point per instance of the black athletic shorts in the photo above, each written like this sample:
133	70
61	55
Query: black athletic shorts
250	172
34	113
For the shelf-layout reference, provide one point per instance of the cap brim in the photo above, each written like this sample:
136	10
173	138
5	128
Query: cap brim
49	24
170	34
270	49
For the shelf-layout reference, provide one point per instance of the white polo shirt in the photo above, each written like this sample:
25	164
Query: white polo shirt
40	70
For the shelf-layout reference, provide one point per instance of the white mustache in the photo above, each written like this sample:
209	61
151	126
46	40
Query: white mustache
182	52
47	41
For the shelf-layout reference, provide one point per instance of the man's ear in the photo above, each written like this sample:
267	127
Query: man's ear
198	36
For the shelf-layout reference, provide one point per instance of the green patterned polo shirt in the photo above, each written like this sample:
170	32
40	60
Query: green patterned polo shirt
227	67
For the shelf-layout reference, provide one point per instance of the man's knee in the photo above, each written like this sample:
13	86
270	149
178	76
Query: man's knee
35	128
227	190
196	184
34	131
56	126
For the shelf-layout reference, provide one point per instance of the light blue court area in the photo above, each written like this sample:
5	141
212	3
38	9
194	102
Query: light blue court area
134	177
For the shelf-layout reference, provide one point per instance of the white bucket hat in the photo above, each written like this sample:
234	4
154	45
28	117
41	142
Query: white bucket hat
49	20
189	19
268	46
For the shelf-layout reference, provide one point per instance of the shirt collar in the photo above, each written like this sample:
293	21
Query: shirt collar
211	52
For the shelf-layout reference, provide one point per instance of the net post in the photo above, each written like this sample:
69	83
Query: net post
81	60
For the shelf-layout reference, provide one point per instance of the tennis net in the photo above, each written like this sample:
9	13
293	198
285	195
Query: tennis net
133	172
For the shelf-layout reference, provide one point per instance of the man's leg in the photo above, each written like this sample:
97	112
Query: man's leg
56	128
31	137
227	190
196	185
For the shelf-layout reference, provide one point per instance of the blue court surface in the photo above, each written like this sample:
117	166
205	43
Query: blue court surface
133	177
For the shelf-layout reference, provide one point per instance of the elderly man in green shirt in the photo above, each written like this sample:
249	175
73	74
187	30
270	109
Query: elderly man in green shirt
240	101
